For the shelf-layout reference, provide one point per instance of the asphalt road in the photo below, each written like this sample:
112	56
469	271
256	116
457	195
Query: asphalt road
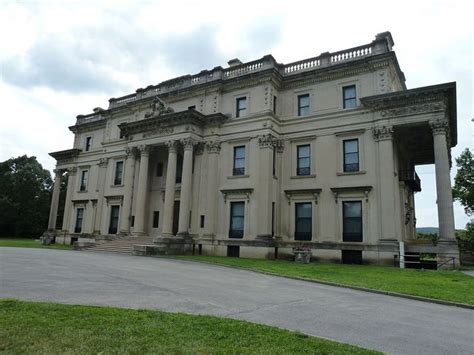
390	324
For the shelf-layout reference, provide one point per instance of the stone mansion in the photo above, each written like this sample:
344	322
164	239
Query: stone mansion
260	157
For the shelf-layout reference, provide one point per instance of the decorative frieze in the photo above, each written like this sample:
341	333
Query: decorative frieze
158	108
413	109
382	133
213	147
158	132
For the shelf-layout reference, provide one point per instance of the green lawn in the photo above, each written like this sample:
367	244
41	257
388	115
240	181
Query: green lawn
444	285
29	243
47	328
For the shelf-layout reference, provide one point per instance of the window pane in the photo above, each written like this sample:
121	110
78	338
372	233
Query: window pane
303	225
238	209
303	163
352	209
351	146
303	210
239	152
242	103
239	163
351	158
349	92
304	111
303	151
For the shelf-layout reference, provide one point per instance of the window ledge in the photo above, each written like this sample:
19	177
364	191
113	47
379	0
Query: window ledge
275	177
112	186
361	172
237	176
303	176
81	191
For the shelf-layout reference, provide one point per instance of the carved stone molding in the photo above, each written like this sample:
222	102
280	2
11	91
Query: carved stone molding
188	143
213	147
439	126
382	133
413	109
172	146
103	162
267	141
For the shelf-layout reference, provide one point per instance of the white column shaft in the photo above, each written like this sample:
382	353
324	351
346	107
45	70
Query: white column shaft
185	198
140	212
210	219
387	189
169	192
127	194
443	187
53	212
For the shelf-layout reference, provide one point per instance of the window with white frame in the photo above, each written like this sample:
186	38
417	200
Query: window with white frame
84	179
241	107
303	220
303	164
237	213
349	99
118	176
351	155
239	161
303	105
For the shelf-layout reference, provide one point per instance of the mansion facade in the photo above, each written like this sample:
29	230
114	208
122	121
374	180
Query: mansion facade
261	157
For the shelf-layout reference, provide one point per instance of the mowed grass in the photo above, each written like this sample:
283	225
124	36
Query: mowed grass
47	328
30	243
443	285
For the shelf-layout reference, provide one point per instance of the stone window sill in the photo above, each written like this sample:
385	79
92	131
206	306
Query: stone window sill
121	185
237	176
303	176
361	172
81	191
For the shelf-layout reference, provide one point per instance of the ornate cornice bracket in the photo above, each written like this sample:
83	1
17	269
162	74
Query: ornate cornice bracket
267	141
213	147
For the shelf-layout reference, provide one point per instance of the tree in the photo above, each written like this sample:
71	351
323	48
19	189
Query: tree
25	196
463	189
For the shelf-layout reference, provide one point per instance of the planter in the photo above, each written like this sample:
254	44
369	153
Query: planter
302	256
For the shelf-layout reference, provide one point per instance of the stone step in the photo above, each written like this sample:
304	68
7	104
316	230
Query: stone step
120	246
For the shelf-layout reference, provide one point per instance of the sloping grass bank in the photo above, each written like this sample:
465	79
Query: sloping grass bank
443	285
47	328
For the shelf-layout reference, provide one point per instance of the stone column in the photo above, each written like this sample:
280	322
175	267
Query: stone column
186	185
264	192
384	137
101	176
125	216
53	212
170	189
443	180
213	150
140	212
71	182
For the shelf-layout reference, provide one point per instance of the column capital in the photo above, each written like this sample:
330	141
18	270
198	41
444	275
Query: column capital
199	150
382	133
267	141
439	127
172	146
188	143
213	147
144	150
72	171
130	151
103	162
58	172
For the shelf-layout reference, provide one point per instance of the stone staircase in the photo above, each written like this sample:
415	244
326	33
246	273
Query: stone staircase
123	245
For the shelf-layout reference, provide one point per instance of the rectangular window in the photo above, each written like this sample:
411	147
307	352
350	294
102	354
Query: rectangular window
239	161
193	107
351	155
274	104
241	107
202	222
88	143
156	218
132	223
303	105
352	221
84	178
304	156
118	173
303	221
79	218
114	218
159	169
349	96
274	162
237	210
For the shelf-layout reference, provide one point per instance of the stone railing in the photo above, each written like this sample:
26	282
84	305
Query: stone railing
82	119
383	43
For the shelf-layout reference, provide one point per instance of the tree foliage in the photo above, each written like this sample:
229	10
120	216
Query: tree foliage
463	189
25	196
466	237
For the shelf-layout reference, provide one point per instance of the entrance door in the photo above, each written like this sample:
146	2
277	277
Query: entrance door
175	217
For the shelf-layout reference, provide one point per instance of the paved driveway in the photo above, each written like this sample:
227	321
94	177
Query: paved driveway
390	324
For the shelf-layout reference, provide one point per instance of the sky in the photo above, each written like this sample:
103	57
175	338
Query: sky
59	59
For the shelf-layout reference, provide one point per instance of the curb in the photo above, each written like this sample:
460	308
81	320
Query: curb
329	283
